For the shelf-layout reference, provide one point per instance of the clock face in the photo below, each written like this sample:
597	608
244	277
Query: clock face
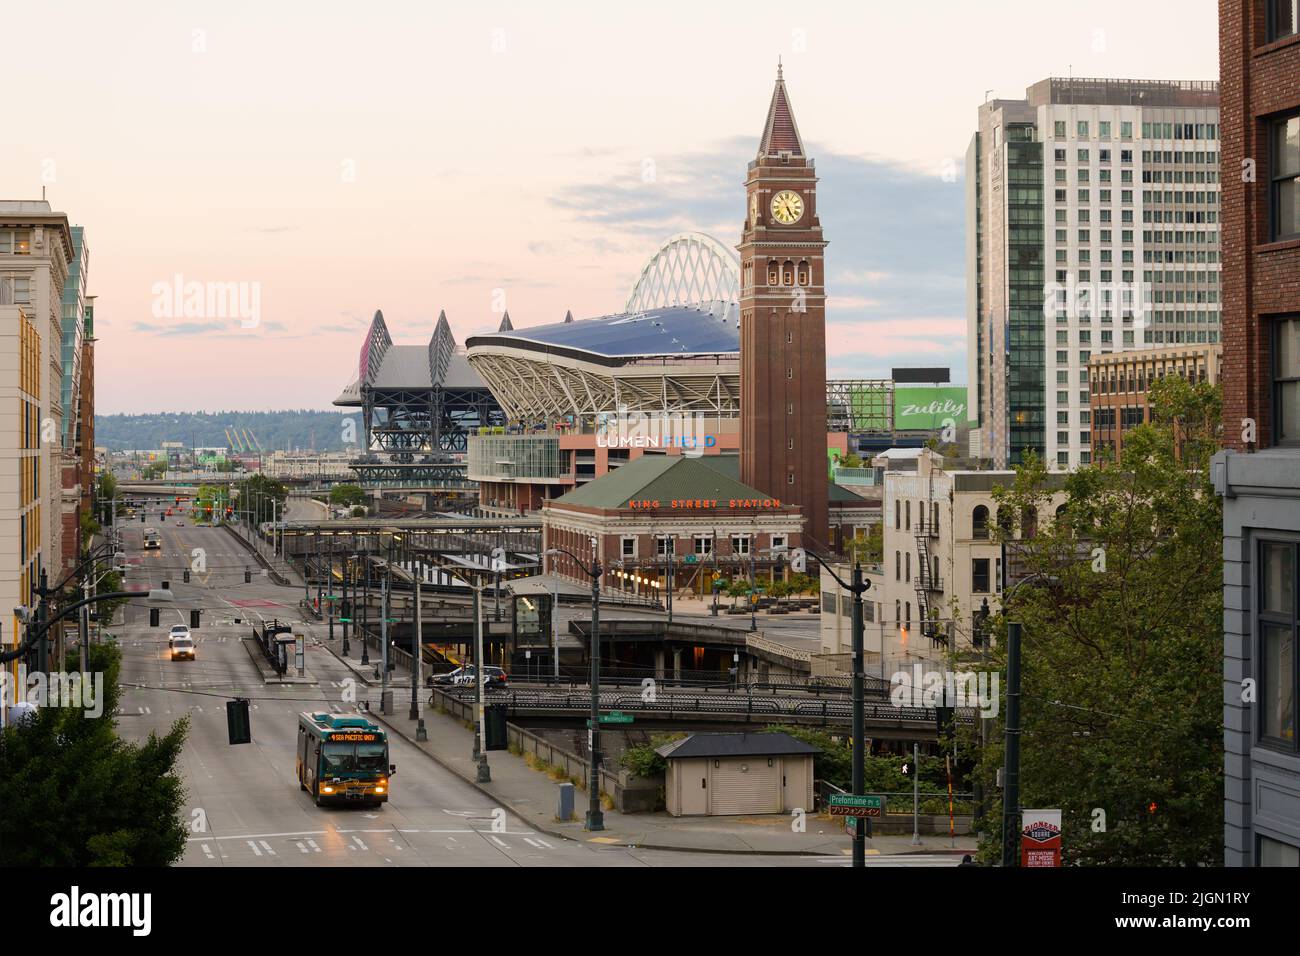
787	207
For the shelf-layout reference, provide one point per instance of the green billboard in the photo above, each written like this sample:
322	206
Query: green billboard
927	408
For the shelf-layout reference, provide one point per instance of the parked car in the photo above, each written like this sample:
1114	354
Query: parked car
466	677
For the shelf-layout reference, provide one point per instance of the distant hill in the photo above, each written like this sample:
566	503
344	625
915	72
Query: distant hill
300	429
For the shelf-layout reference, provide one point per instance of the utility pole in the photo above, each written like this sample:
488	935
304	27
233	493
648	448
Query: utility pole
385	695
417	714
484	772
595	817
859	715
916	794
1011	770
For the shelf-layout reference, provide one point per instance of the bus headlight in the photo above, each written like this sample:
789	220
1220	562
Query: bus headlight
379	789
326	789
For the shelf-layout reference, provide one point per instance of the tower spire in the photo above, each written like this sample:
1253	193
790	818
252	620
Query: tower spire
780	132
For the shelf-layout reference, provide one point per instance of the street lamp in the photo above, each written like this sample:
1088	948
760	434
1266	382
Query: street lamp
858	587
595	817
37	629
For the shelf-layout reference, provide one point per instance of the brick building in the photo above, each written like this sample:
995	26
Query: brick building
1121	381
1259	477
783	324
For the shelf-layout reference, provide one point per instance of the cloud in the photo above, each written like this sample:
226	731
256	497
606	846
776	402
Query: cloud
896	257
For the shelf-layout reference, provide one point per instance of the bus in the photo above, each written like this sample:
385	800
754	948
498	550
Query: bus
151	540
343	758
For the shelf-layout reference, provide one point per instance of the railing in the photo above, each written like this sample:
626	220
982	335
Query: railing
673	704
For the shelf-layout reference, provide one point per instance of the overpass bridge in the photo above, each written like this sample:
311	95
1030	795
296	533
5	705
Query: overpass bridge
671	706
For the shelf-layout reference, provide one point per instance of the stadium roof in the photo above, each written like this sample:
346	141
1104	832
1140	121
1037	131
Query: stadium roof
672	330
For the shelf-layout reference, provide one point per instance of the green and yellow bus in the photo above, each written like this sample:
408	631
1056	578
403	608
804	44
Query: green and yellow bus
343	759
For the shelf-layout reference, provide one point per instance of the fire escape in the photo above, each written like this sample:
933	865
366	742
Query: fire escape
927	580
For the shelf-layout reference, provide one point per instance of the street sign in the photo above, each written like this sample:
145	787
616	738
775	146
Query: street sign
690	559
614	717
856	805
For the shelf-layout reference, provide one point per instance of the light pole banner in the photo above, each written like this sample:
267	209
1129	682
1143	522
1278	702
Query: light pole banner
1040	838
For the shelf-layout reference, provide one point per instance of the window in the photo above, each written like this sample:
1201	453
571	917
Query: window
665	546
1286	380
778	541
740	544
15	242
1283	16
1274	852
980	522
1285	219
1276	629
898	514
907	566
629	547
979	575
1083	129
1103	129
1125	130
1058	129
898	565
703	544
908	512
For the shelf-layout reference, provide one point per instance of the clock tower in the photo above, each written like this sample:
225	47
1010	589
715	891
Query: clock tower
783	325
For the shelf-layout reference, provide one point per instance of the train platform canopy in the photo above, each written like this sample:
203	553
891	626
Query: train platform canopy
665	479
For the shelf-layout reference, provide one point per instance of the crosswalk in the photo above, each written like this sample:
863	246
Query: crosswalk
364	846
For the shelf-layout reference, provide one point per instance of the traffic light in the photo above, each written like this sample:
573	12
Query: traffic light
153	617
194	617
237	722
142	517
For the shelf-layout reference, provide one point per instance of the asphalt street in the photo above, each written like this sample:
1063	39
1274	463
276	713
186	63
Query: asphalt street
244	806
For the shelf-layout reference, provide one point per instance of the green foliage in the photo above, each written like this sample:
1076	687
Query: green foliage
256	494
869	549
642	761
153	470
1122	645
880	774
89	528
358	512
347	495
286	429
78	795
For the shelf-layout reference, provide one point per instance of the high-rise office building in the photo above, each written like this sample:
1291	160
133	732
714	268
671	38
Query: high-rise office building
1259	477
1092	227
73	306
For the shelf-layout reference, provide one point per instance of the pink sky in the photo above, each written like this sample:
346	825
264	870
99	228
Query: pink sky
340	158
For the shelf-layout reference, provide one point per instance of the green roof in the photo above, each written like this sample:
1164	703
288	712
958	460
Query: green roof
665	478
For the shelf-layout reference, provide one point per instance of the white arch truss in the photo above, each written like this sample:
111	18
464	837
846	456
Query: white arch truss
689	269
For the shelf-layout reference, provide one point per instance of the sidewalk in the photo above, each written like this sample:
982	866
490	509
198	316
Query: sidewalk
533	797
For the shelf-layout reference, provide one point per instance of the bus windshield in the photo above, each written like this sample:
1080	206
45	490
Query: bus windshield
368	758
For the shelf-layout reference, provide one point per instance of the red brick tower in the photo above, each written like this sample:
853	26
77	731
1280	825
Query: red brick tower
783	325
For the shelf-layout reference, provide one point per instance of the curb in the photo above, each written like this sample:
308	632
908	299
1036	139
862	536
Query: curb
668	848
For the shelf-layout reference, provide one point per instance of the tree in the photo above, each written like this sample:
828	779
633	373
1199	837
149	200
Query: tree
347	495
1122	653
256	494
76	794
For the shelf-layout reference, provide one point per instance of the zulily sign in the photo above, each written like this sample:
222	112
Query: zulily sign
929	409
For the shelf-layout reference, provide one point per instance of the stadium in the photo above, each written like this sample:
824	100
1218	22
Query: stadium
674	349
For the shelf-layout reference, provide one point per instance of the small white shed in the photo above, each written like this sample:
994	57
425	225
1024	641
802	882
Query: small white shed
731	774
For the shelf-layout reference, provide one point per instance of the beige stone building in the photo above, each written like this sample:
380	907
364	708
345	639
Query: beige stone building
941	562
36	252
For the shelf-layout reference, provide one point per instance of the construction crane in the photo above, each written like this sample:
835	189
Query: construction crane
255	441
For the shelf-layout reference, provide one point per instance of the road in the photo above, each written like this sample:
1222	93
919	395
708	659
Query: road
243	802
